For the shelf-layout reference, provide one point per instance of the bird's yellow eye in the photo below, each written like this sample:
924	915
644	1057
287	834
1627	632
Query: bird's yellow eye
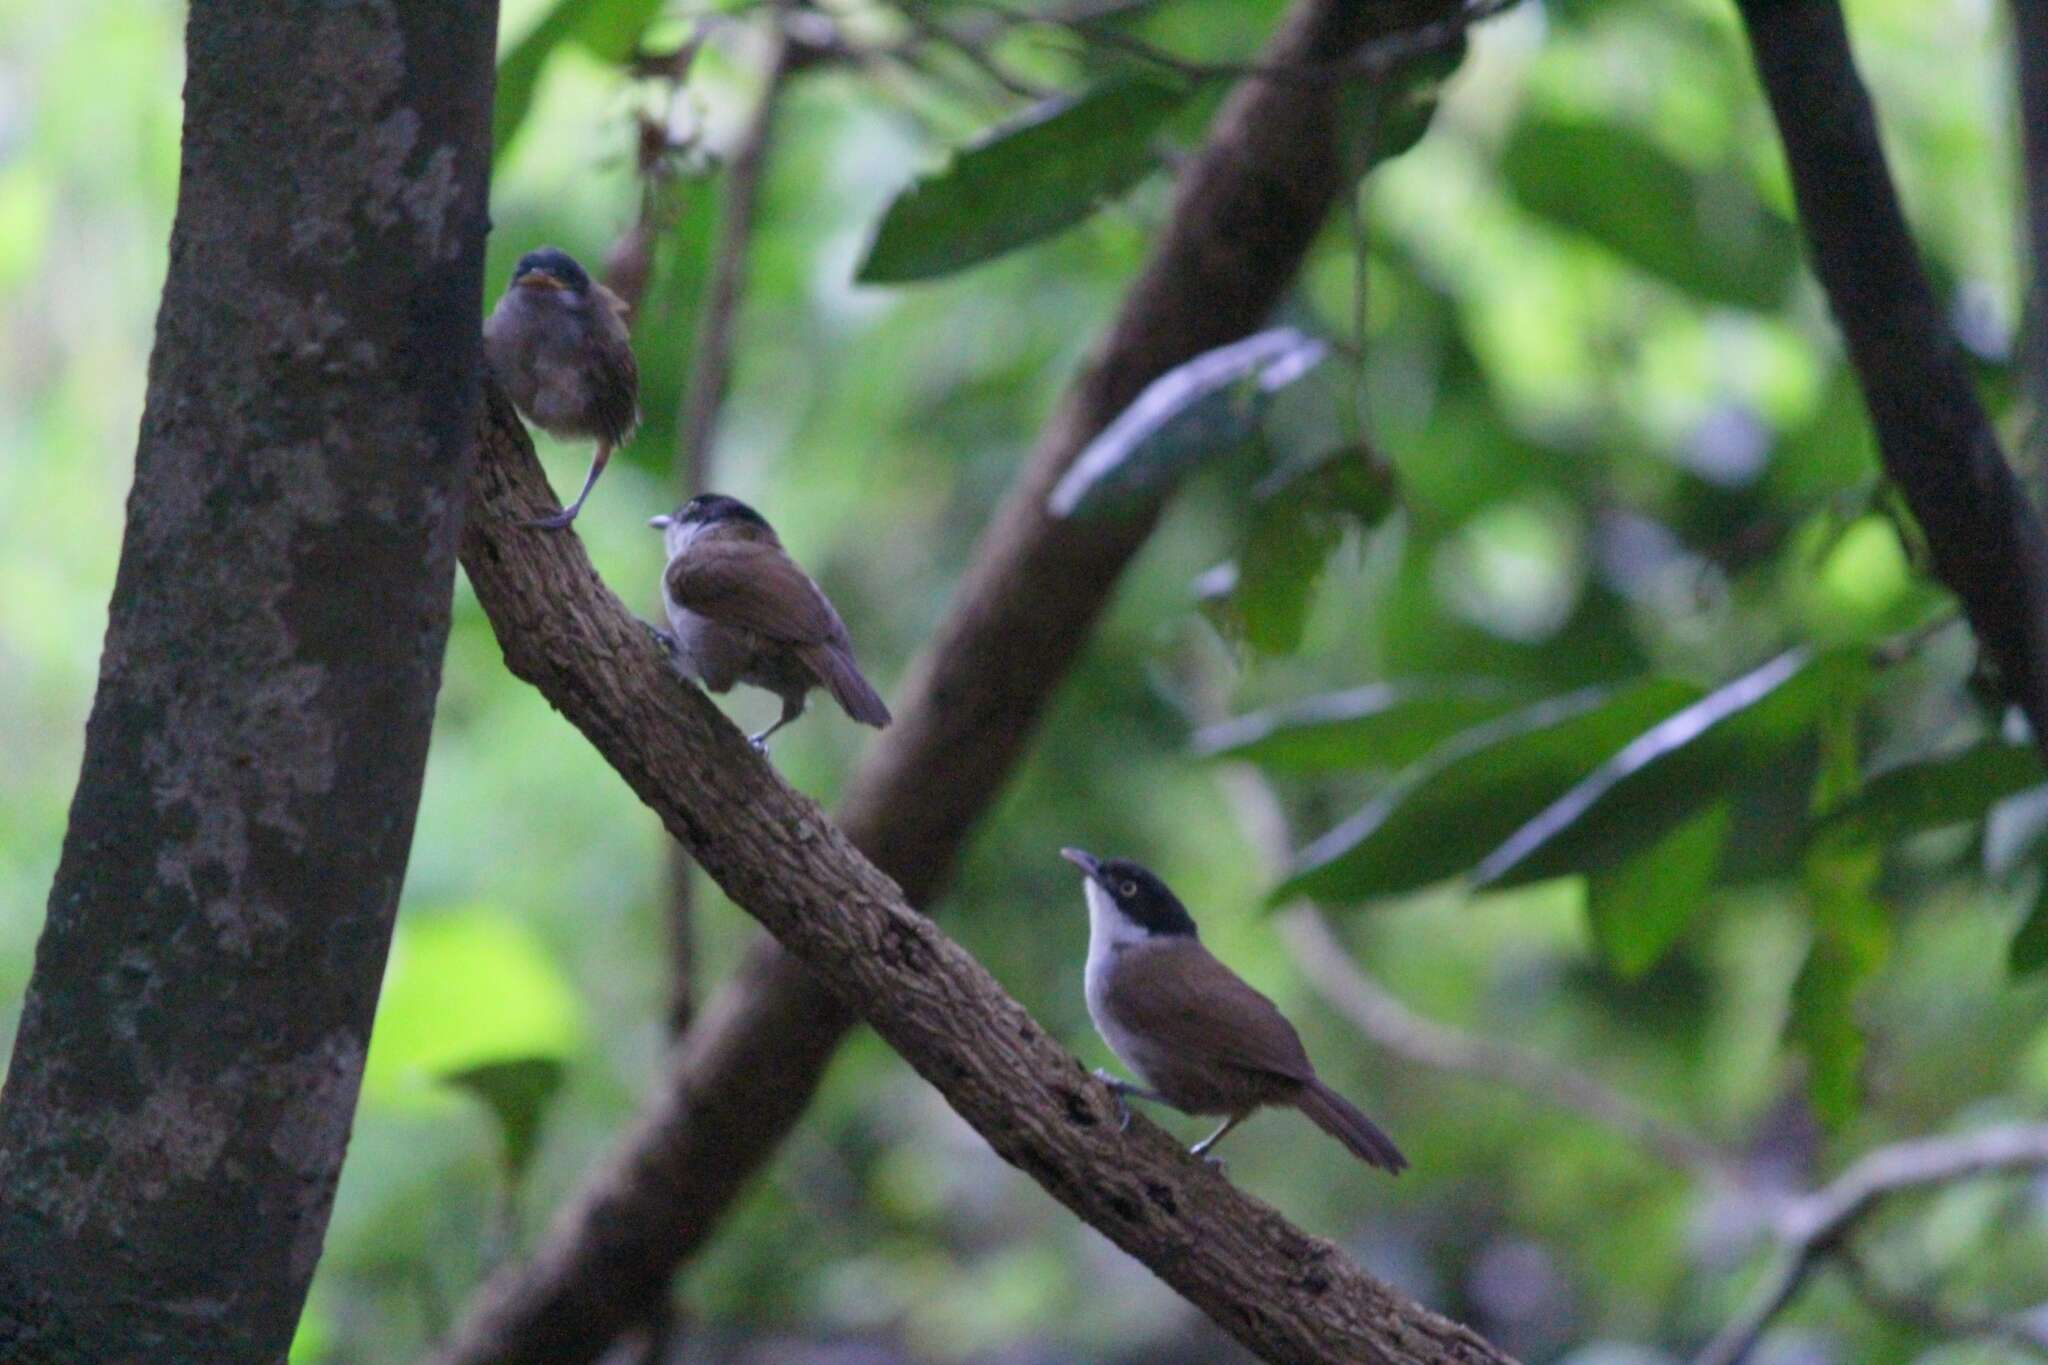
1129	888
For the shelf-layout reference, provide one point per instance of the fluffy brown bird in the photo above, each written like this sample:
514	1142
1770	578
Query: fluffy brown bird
557	341
740	610
1203	1040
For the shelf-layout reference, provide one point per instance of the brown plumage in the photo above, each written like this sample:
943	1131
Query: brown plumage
740	610
557	341
1203	1040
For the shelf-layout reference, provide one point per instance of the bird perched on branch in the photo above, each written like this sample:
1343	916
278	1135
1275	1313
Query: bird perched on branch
742	611
1202	1040
557	342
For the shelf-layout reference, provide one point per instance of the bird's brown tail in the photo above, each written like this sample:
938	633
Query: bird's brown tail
1339	1118
842	677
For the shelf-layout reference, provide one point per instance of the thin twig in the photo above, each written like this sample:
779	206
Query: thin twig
711	354
1814	1226
1932	1316
976	54
1371	60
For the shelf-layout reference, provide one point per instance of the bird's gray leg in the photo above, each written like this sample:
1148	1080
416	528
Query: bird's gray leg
792	707
1118	1088
663	641
1201	1149
560	520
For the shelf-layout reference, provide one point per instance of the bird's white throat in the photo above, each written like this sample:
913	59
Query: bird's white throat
1109	930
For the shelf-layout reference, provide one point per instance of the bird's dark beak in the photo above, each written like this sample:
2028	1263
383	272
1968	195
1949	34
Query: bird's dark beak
1090	865
540	279
661	521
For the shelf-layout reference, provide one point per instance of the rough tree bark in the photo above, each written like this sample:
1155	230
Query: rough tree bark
1936	441
186	1072
1288	1296
1246	209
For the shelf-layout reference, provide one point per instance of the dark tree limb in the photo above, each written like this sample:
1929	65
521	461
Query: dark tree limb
192	1042
1288	1296
1816	1226
1936	441
2030	64
1246	208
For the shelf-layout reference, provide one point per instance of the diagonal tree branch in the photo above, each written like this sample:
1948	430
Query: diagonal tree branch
1246	208
1286	1295
1935	438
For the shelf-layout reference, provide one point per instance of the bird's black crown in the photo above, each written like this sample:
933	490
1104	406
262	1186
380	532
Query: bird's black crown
1140	894
710	508
550	260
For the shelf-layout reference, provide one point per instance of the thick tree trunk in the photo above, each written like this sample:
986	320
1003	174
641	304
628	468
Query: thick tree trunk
182	1088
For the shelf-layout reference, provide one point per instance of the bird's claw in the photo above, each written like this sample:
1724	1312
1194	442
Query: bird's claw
1215	1163
1116	1096
663	641
759	743
559	521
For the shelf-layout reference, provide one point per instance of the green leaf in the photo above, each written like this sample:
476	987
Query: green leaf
516	1091
608	29
1192	413
1852	939
1022	181
1708	235
2028	951
1298	520
464	987
1916	797
1382	119
1676	768
1385	725
1276	574
1639	908
1472	791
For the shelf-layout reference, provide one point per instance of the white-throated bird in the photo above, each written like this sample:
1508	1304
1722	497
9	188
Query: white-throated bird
740	610
1200	1038
557	342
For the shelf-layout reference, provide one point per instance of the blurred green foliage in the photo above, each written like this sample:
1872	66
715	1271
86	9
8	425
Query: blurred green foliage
1596	457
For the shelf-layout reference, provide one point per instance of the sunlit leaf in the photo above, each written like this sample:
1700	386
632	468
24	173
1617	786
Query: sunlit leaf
1916	797
517	1091
1195	411
1639	908
608	29
1022	181
465	987
1677	767
1385	725
1709	236
1441	816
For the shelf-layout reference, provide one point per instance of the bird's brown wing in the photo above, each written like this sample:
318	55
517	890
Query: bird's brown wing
754	585
614	373
1193	1002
